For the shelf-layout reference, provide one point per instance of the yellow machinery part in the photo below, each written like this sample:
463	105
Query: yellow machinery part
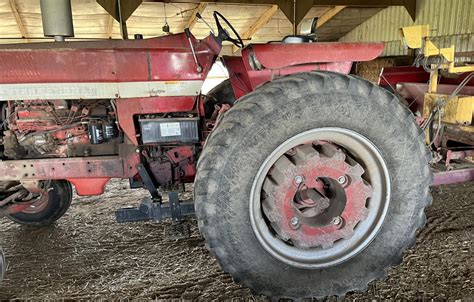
418	37
459	110
413	35
457	113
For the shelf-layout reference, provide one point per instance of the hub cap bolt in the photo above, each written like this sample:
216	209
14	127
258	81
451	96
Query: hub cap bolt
295	222
336	220
342	180
298	180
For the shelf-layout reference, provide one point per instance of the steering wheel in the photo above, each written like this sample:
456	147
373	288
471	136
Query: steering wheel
223	35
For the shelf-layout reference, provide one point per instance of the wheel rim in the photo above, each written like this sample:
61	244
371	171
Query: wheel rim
39	205
320	198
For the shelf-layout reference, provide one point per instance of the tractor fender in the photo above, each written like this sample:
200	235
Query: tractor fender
278	56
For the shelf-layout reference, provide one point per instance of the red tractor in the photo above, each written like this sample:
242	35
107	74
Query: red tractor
308	181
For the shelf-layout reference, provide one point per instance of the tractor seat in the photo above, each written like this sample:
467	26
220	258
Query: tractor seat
297	39
307	33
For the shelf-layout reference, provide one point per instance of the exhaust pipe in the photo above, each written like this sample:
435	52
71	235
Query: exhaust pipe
57	19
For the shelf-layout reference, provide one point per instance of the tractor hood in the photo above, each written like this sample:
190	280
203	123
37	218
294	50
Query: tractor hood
168	58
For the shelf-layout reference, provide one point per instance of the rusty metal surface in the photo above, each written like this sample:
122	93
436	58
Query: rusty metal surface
458	155
64	168
453	177
343	202
462	134
88	174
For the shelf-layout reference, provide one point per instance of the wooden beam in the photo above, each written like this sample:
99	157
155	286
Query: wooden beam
410	5
110	26
19	22
287	5
198	10
329	15
261	21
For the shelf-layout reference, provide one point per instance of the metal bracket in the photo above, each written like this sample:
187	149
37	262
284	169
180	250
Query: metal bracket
148	182
175	207
156	211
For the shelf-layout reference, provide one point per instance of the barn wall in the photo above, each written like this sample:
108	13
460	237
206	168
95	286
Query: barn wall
451	22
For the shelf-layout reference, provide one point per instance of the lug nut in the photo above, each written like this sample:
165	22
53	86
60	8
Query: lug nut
342	180
298	179
336	220
295	222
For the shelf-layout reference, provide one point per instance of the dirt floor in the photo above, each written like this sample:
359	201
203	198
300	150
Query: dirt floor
88	255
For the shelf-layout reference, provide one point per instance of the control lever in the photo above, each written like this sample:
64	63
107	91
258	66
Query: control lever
198	15
188	35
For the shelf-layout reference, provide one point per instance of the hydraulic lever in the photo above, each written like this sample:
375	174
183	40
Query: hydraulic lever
188	35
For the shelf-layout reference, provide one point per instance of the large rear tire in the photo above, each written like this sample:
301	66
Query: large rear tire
49	209
286	134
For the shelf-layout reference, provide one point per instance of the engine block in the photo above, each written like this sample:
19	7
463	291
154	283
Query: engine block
58	128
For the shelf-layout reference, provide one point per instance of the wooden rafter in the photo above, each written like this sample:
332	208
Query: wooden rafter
110	26
329	15
287	6
198	10
261	21
17	16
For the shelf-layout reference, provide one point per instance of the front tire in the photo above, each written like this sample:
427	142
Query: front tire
230	191
52	206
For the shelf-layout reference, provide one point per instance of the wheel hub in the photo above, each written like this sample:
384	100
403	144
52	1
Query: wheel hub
38	205
314	195
320	197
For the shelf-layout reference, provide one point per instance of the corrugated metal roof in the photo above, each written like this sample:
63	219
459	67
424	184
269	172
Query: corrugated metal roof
344	22
451	22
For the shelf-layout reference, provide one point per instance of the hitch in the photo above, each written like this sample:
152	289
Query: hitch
152	208
156	211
